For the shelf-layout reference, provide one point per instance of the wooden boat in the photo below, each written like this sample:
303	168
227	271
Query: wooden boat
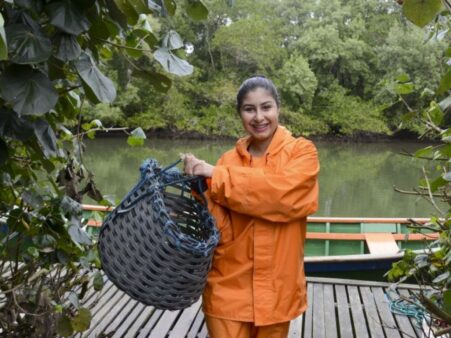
338	244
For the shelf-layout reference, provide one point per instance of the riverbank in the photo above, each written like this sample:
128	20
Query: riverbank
361	137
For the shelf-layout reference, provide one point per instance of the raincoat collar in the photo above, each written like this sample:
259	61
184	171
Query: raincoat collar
281	137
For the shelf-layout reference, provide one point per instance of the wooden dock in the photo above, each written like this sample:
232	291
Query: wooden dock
337	308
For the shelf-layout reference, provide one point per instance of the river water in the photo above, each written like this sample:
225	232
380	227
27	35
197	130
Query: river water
356	179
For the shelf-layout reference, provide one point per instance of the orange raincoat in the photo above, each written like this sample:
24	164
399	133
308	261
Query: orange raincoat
260	206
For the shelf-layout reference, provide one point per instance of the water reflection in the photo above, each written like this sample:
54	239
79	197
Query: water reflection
355	180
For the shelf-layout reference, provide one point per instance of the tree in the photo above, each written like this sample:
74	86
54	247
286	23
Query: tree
297	83
258	50
432	267
52	54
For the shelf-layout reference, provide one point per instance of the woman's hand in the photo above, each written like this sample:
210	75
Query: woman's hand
195	166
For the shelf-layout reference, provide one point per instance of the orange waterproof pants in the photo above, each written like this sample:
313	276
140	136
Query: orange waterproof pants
224	328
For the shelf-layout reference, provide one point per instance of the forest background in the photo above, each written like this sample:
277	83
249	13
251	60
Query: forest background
339	66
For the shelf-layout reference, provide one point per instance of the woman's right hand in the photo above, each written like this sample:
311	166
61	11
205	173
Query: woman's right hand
194	166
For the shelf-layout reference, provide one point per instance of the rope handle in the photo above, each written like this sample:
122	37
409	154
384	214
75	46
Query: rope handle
197	183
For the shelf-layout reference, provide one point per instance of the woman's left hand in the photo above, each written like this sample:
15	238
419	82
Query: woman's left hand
195	166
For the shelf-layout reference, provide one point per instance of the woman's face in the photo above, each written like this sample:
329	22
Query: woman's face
260	115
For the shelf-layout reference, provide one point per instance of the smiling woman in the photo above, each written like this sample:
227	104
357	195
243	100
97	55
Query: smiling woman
259	111
260	194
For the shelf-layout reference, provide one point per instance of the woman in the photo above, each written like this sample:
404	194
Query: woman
261	193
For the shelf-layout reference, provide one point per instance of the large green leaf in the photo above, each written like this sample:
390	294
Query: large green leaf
140	6
137	137
77	234
68	17
101	86
171	63
447	302
445	82
147	36
46	137
196	10
129	11
13	126
27	45
144	31
404	88
172	40
64	327
82	320
421	12
68	48
28	90
3	43
99	29
116	14
170	6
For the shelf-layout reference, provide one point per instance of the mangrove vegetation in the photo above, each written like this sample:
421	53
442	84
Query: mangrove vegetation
339	65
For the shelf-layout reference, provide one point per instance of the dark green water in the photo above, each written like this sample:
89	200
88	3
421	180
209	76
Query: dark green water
356	179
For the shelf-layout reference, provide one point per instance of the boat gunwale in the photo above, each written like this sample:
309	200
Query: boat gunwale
310	219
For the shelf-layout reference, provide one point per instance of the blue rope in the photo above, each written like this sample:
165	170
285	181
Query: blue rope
408	308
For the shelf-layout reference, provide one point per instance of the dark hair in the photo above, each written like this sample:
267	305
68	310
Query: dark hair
255	82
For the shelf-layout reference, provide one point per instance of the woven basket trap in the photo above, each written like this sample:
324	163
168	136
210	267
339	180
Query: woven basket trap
157	245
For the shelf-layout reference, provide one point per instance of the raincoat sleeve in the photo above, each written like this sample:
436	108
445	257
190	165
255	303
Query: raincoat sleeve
278	197
220	214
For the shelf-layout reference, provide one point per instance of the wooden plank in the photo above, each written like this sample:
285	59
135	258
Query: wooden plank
124	315
340	281
203	331
164	324
107	290
185	321
195	328
133	322
344	319
418	331
108	301
381	243
329	311
144	332
371	313
403	322
358	316
295	329
103	307
318	311
387	320
308	317
311	219
113	313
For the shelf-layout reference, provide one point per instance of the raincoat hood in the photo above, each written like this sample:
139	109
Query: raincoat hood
281	138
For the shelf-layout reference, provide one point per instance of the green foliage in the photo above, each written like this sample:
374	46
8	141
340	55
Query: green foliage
300	123
359	45
421	12
136	137
53	57
432	267
257	50
346	114
297	83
